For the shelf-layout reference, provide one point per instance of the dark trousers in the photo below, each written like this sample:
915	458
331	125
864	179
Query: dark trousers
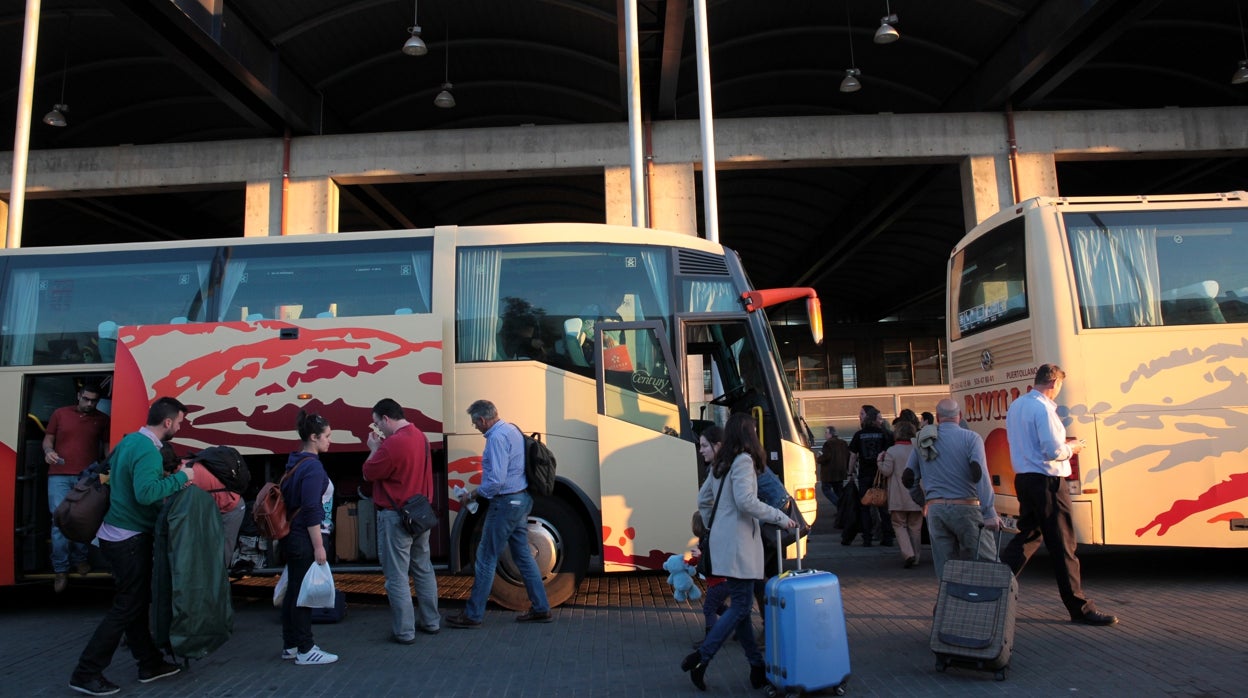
871	517
1044	516
297	620
131	564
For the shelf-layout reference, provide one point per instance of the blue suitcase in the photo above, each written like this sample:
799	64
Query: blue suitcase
807	647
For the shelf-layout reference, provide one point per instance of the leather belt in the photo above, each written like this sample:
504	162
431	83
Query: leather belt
967	502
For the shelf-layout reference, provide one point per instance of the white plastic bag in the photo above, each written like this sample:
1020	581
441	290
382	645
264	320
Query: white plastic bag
317	590
279	591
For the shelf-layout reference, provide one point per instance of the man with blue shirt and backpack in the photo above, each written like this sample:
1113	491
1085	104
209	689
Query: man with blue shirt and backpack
504	485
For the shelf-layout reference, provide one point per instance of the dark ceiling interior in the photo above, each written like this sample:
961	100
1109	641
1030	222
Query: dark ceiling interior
873	240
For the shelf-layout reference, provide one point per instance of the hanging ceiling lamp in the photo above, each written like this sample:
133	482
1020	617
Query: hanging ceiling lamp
446	100
415	46
850	83
1241	74
887	33
56	117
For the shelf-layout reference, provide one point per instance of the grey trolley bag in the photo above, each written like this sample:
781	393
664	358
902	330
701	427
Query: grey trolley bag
975	612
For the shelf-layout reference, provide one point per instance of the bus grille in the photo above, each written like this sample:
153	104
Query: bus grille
694	262
1008	350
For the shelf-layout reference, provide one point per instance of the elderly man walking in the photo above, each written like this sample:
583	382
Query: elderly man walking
958	488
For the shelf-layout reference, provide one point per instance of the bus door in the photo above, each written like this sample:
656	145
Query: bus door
646	455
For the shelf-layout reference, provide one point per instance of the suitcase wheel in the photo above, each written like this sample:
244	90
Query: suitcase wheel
1000	674
941	664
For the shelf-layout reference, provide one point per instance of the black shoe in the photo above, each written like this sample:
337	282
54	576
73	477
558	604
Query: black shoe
758	675
400	641
910	562
94	686
534	617
428	631
158	671
846	542
1095	618
462	621
696	666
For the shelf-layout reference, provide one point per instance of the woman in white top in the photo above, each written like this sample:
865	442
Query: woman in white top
736	545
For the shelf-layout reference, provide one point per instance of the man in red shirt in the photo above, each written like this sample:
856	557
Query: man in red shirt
400	468
71	442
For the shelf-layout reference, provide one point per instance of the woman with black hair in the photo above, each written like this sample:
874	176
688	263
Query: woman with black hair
733	514
303	487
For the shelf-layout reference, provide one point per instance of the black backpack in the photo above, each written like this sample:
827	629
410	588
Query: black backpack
539	465
227	465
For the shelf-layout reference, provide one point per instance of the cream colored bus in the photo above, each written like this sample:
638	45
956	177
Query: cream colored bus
1143	301
602	339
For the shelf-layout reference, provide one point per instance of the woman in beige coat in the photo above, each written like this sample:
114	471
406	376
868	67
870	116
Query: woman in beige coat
736	544
906	516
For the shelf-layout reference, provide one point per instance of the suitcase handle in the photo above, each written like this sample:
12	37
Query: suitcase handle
980	537
780	550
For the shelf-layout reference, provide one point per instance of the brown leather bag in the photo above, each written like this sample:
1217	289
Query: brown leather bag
877	494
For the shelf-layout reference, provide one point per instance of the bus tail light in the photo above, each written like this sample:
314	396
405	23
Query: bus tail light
1074	468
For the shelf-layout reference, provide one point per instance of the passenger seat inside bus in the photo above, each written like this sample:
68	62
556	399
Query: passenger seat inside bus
1194	304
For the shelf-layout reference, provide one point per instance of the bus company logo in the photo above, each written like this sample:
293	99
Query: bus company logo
985	360
989	405
647	384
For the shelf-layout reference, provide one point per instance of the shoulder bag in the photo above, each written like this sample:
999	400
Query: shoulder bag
877	494
704	542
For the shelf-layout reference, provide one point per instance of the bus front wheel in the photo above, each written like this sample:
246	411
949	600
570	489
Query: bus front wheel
560	547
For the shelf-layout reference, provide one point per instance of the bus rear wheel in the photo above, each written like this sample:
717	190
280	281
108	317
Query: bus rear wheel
560	546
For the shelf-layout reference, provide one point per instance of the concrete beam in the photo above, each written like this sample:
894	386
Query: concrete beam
589	148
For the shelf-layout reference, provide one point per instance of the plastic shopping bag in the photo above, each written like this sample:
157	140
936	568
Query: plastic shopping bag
279	591
318	587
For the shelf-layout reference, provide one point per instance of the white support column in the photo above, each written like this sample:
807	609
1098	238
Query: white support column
263	209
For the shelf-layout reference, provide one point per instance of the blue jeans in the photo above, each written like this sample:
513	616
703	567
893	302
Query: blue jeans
404	555
955	532
735	620
131	564
65	552
506	523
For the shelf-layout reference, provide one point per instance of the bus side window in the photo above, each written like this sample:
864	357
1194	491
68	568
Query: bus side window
1193	304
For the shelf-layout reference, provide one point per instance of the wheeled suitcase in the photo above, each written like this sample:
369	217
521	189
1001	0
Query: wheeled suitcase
975	613
367	522
807	647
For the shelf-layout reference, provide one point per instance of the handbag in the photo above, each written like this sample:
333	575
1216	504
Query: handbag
417	515
877	494
82	511
704	542
788	536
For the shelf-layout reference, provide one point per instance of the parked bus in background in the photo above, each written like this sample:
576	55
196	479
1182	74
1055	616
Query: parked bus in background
601	338
1143	302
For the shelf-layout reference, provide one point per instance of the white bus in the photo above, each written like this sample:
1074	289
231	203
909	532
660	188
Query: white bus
1143	302
248	331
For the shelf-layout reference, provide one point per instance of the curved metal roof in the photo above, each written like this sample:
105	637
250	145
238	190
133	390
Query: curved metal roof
872	239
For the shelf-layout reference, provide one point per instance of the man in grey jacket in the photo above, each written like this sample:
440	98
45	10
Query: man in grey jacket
958	488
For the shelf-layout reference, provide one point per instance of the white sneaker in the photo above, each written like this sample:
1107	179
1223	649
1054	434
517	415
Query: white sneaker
290	653
315	656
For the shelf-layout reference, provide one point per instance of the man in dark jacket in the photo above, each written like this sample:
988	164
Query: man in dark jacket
833	465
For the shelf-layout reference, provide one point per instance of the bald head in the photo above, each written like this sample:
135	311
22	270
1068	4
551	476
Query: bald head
947	410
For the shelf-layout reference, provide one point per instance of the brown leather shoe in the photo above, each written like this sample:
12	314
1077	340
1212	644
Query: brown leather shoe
83	569
534	617
462	621
1095	618
60	581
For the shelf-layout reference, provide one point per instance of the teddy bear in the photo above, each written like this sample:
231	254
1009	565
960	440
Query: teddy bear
680	576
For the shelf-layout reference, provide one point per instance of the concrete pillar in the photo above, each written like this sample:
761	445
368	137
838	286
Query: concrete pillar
311	205
673	198
262	212
4	223
1037	175
986	187
618	191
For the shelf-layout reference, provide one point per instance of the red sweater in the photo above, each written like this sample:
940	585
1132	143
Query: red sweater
400	468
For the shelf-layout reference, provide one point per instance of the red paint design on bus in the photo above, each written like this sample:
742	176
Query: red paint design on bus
1222	493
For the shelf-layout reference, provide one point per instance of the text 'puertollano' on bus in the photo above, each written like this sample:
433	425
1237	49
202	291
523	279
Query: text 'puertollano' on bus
616	344
1143	302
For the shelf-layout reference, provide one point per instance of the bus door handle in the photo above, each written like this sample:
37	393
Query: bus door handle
757	413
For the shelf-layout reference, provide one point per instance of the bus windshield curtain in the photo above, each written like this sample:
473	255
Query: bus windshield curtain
709	296
653	261
422	265
1117	276
478	304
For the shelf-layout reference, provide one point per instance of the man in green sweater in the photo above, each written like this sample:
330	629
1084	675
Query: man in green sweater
138	487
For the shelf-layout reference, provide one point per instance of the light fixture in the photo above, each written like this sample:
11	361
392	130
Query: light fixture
56	117
415	46
1241	74
446	100
850	83
887	34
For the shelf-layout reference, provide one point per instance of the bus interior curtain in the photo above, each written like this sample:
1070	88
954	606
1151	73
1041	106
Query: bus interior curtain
229	286
23	318
478	304
710	296
654	263
1117	275
422	264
